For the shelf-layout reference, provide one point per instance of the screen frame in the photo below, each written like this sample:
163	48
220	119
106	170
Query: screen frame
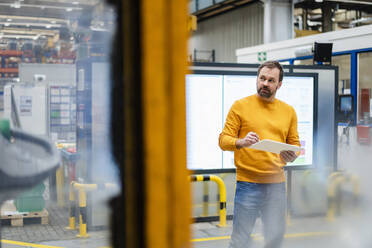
209	71
340	104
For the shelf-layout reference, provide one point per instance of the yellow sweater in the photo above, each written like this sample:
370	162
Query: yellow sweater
270	120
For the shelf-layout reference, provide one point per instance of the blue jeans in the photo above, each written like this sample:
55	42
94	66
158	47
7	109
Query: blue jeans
253	200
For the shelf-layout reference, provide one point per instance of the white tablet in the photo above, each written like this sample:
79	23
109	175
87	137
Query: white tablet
274	146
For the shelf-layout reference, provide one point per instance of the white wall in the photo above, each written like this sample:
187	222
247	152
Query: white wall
225	33
343	40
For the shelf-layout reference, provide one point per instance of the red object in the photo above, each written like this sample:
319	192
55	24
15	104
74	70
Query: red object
364	102
71	149
363	135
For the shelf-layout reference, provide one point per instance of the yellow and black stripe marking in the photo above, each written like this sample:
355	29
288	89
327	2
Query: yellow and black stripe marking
222	193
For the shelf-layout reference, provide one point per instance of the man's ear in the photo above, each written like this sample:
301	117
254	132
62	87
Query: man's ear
280	84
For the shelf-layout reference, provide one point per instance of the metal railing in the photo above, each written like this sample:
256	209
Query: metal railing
335	181
82	190
222	192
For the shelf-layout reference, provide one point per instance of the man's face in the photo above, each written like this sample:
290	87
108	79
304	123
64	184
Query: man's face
268	83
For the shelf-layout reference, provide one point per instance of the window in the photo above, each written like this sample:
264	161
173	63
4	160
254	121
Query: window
344	66
364	87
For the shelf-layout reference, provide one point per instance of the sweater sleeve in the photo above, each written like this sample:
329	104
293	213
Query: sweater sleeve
292	137
229	134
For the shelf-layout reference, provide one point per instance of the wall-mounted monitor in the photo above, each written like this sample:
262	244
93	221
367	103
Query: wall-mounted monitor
209	96
346	103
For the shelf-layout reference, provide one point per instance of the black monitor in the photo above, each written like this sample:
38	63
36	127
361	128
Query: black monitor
346	103
346	108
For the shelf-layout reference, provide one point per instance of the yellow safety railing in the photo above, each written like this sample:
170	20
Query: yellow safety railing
222	190
72	207
206	203
82	190
336	180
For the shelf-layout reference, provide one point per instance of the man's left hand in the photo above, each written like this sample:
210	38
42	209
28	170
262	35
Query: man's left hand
288	156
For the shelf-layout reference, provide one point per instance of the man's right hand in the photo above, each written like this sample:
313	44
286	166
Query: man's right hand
247	141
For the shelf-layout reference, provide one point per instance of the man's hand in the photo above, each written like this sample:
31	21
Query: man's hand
248	140
288	156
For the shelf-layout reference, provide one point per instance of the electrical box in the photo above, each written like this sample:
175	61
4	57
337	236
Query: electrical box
30	104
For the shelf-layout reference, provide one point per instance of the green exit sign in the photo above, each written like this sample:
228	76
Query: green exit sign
261	56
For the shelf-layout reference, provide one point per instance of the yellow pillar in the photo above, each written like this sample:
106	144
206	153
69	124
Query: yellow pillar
222	203
82	214
164	35
72	207
60	187
205	198
335	184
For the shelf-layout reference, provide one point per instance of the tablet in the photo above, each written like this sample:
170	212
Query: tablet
274	146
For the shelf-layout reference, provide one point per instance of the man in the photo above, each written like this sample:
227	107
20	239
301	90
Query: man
260	187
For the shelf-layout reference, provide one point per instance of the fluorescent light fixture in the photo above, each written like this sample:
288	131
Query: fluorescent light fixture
319	1
9	20
53	21
69	9
7	24
75	2
48	26
16	5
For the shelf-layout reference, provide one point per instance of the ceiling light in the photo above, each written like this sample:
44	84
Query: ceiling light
54	22
69	9
42	7
48	26
6	24
319	1
9	20
16	5
28	25
75	2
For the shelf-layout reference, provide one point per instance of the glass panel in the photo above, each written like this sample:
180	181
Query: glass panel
365	86
205	4
55	86
344	66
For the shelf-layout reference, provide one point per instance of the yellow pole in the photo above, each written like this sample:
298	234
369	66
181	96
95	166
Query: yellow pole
332	197
164	64
205	198
72	207
334	175
222	190
83	214
60	187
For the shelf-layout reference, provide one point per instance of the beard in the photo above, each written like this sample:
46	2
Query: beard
265	92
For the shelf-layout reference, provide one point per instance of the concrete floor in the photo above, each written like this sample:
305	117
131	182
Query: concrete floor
52	235
352	230
344	232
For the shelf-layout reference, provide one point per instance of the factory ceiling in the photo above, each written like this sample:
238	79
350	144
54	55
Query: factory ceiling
365	6
34	19
220	7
